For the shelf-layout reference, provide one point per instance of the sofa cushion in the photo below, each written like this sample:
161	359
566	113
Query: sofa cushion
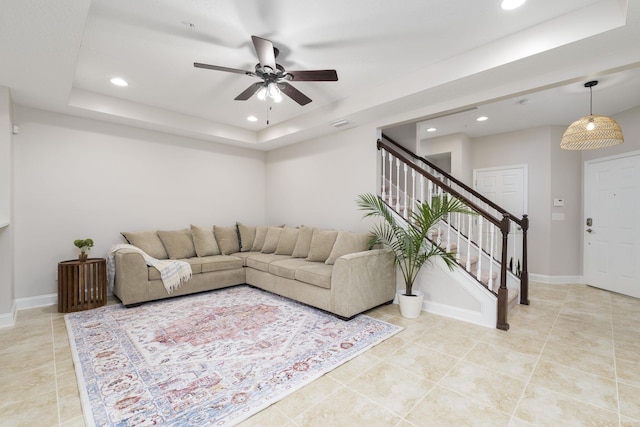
219	263
287	267
244	255
321	244
261	261
154	274
178	243
318	274
348	243
148	242
287	241
247	235
271	240
204	241
301	250
227	238
204	265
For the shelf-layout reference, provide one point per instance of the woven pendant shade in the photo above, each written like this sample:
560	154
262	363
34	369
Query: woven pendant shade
605	132
592	131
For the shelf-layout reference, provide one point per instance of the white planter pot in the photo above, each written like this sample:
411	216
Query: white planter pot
410	306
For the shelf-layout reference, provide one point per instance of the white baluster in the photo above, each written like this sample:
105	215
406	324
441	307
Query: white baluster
413	189
406	192
514	243
382	183
397	185
491	253
469	230
448	232
390	179
458	222
480	232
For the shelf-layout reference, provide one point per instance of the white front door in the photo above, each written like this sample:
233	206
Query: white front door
611	224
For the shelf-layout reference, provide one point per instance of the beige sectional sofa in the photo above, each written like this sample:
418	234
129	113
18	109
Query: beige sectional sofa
328	269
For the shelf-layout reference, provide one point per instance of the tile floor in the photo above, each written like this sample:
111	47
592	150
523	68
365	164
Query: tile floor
572	358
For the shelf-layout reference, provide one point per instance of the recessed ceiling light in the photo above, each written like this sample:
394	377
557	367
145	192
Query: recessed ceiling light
482	118
252	118
432	130
119	82
512	4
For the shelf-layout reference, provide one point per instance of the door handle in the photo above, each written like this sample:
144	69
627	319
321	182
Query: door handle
589	230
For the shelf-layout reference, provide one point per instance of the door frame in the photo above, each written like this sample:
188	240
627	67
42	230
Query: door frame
585	165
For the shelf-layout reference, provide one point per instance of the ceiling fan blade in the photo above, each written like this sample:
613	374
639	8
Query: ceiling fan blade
294	93
264	49
314	76
218	68
248	92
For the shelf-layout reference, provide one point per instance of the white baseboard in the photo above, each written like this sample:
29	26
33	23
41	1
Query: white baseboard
39	301
458	313
9	319
555	280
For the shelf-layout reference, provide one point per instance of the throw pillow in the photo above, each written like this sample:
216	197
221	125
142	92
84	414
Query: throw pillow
247	236
227	238
271	240
321	244
148	242
258	241
348	243
204	241
287	241
301	250
178	243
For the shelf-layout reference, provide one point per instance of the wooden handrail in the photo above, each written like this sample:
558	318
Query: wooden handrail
495	206
498	222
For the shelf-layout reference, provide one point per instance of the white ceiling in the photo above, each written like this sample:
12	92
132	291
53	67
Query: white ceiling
394	59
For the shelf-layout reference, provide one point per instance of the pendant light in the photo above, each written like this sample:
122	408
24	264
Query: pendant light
592	131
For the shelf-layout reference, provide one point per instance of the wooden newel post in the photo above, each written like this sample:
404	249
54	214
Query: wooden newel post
524	275
503	292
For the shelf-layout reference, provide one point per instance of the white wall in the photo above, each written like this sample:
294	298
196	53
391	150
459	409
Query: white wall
6	201
78	178
458	145
317	182
531	147
566	183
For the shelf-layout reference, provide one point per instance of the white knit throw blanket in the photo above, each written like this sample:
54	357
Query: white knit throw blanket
172	272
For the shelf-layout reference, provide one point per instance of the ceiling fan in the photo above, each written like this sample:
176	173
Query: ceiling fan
275	79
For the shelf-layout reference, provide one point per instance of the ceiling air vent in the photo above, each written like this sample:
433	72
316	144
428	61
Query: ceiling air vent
340	123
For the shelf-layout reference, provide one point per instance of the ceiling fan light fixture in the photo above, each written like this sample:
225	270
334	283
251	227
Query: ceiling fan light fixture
593	131
262	93
273	90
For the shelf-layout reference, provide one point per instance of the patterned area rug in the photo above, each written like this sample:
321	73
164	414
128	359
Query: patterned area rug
208	359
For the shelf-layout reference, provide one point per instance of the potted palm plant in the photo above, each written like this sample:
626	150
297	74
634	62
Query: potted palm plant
408	241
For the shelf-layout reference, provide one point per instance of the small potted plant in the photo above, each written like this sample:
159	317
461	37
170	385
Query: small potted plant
84	245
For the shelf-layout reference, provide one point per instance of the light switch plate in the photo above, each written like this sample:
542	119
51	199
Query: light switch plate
558	202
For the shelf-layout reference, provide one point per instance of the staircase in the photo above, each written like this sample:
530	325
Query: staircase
490	246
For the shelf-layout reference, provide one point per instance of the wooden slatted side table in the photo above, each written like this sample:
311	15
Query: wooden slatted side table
82	285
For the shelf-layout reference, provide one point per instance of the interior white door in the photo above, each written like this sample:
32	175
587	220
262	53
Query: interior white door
507	187
611	231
